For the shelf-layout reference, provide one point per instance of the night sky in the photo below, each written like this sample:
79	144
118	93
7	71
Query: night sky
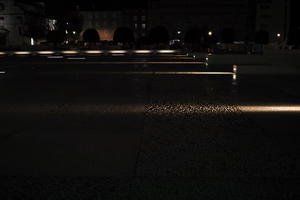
58	7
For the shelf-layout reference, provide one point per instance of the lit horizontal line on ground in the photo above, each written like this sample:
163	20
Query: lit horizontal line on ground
143	51
172	55
55	57
197	73
94	52
118	54
22	53
166	51
150	63
114	63
76	58
269	108
1	72
70	52
45	52
104	108
118	51
162	73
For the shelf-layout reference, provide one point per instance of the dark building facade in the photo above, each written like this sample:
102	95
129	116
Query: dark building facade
214	15
21	23
138	22
273	16
294	29
106	22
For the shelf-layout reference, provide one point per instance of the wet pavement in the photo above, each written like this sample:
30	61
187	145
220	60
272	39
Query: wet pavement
91	130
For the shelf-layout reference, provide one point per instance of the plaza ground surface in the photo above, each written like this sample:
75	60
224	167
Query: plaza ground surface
145	127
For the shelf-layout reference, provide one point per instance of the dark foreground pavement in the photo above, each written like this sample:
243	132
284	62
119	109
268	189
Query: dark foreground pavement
82	134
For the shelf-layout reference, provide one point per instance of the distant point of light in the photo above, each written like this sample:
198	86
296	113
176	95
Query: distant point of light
234	68
206	58
234	77
269	108
278	35
22	52
31	41
74	32
210	33
93	52
66	31
45	52
118	51
143	51
70	52
179	32
166	51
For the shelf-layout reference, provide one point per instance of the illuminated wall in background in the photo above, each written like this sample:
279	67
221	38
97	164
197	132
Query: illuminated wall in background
105	22
106	34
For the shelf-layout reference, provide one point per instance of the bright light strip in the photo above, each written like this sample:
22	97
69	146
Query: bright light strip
143	51
1	72
118	51
22	52
147	62
171	73
166	51
269	108
70	52
2	53
45	52
195	73
93	52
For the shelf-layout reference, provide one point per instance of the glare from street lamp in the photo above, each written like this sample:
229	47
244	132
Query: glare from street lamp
278	35
210	33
